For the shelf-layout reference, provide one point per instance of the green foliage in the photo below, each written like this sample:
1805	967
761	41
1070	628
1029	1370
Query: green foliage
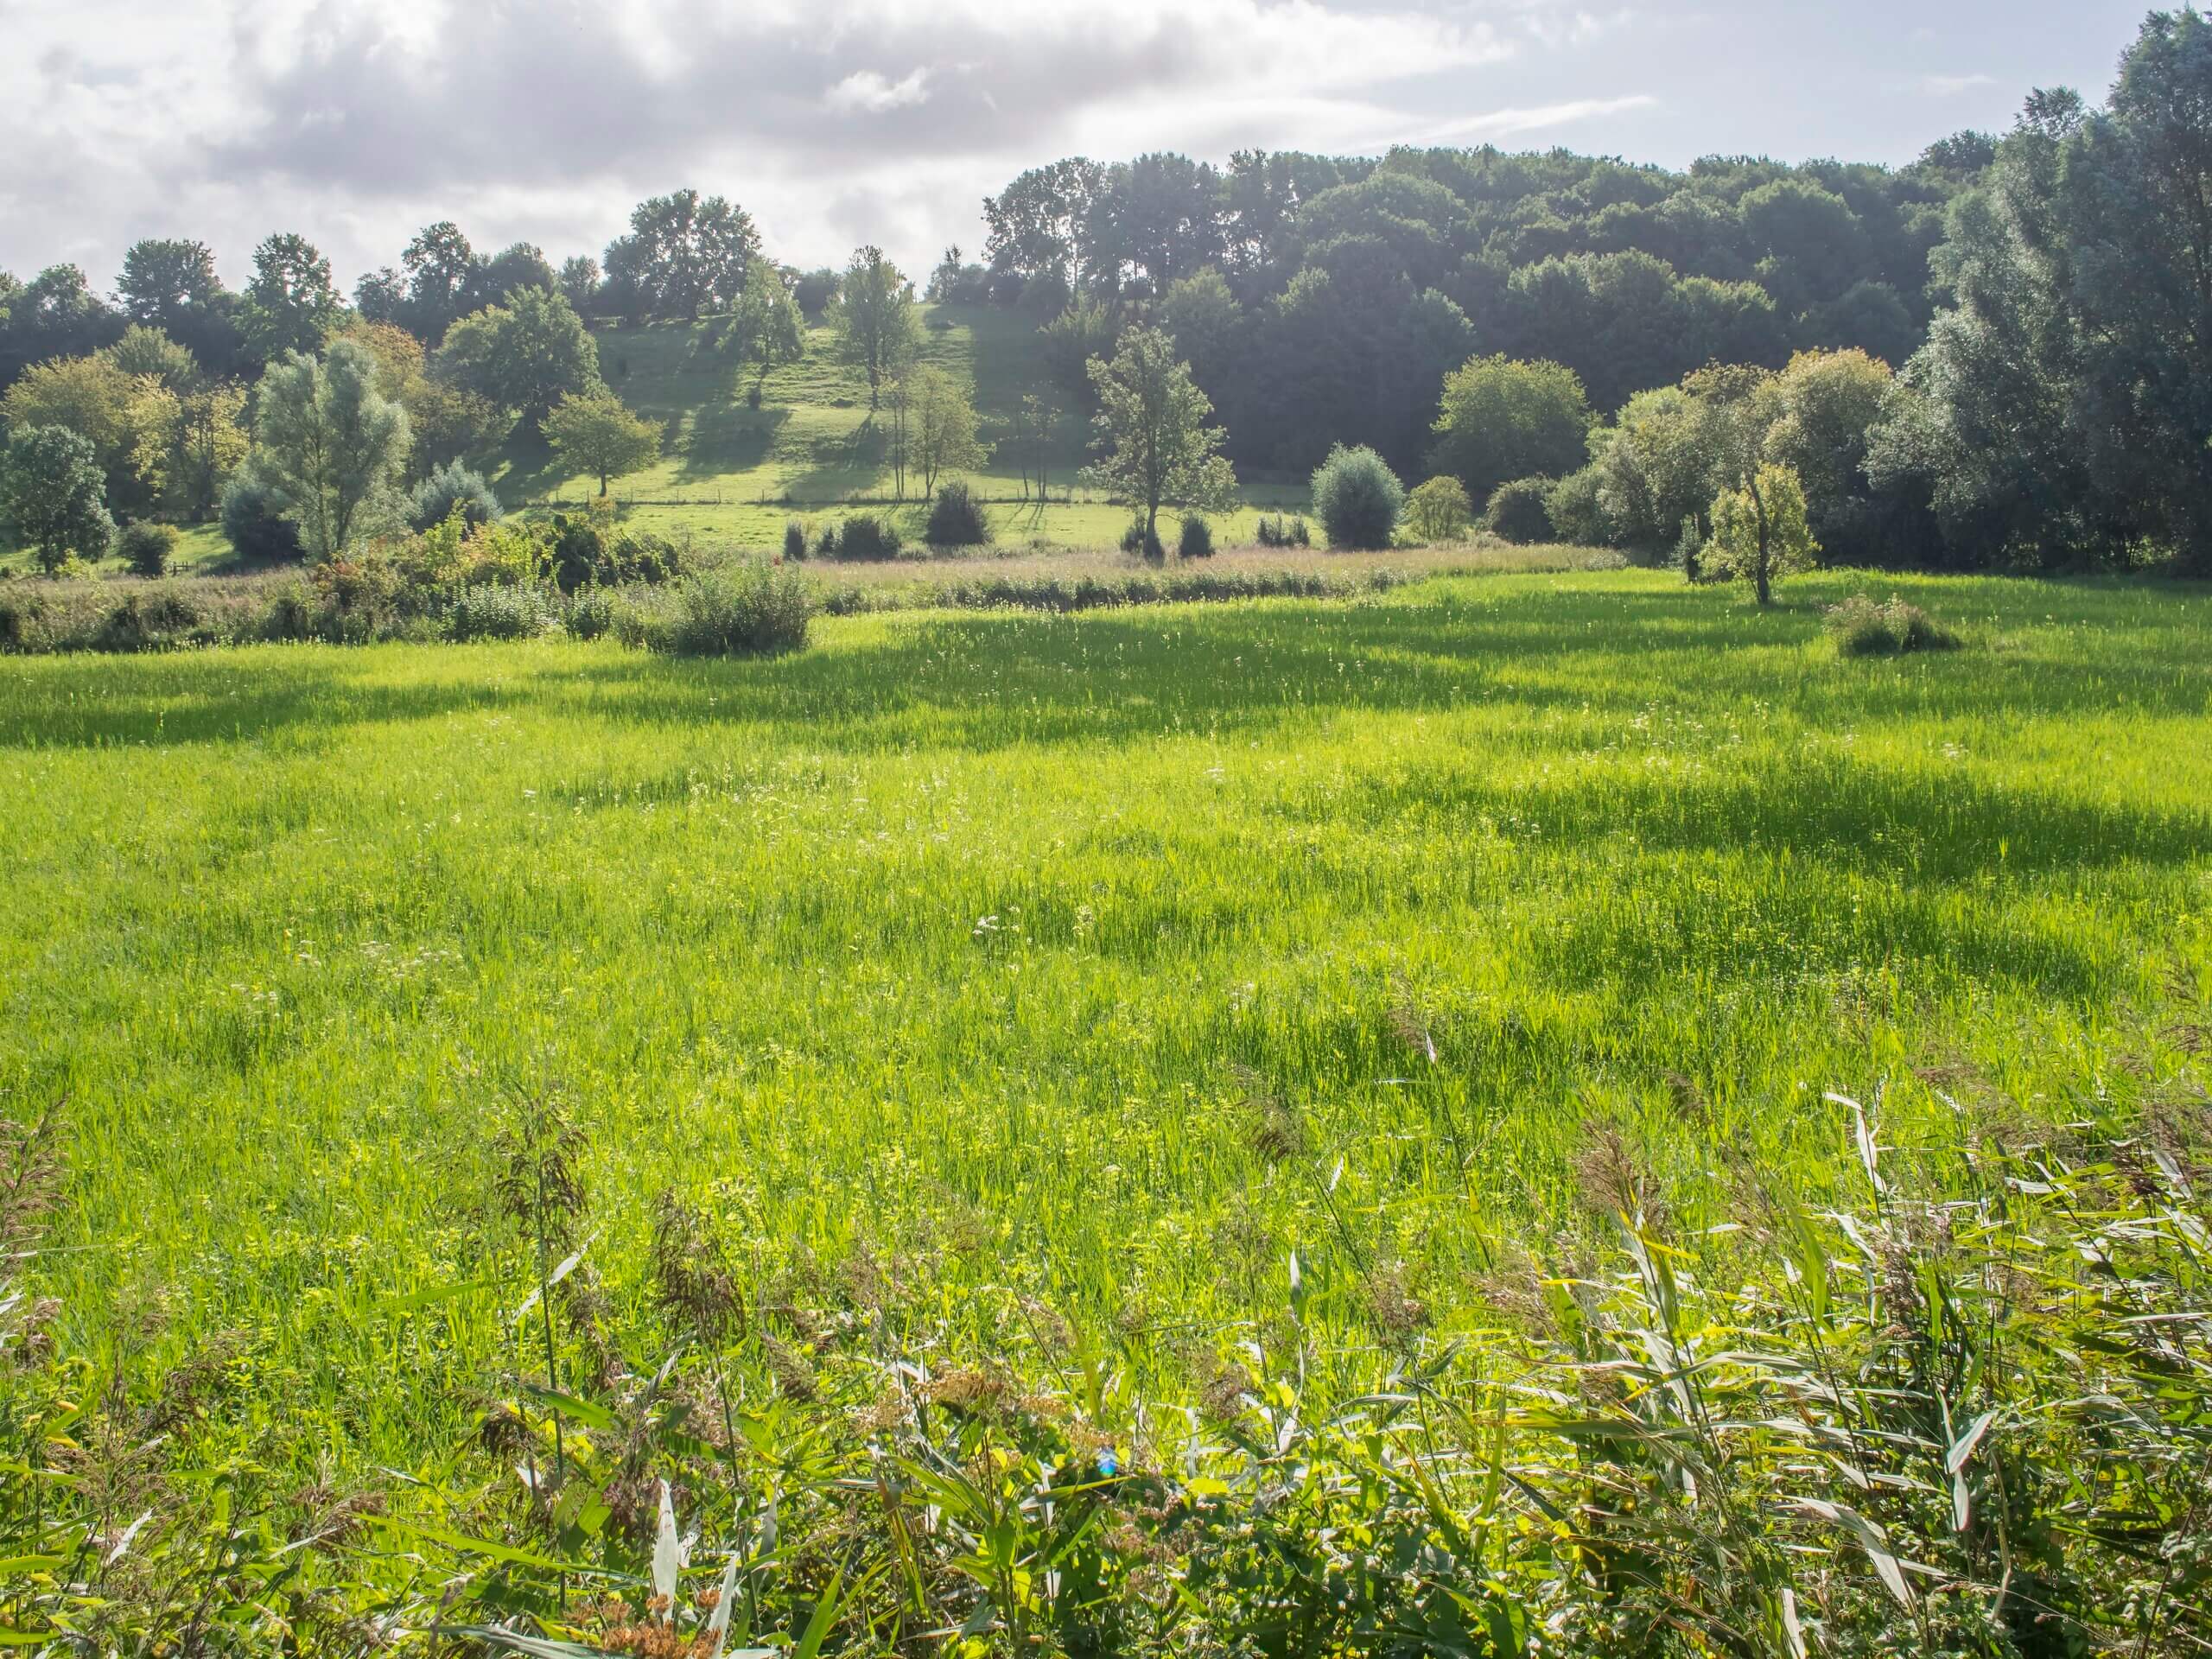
291	303
528	354
1577	508
148	548
767	329
795	542
501	613
1861	627
254	522
595	433
1275	530
1195	539
1502	420
863	536
1760	531
957	519
53	495
1439	511
1154	445
749	608
1358	499
453	488
1520	511
328	447
590	549
1605	1381
1087	330
878	326
686	255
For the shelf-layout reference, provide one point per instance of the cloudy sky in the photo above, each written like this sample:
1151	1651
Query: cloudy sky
842	121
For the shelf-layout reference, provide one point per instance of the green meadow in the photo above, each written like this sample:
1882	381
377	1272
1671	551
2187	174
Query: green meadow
963	949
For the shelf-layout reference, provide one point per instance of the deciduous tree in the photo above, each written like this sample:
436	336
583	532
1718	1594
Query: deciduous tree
1156	447
329	446
596	434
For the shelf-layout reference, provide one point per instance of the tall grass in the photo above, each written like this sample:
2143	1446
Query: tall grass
965	1023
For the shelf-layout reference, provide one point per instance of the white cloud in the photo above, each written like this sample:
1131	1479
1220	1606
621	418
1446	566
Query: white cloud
866	91
356	120
1952	86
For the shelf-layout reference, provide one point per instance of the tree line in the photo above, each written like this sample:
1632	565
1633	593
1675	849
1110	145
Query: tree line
1993	358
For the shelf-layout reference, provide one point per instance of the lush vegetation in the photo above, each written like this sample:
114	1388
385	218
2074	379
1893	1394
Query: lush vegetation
1989	360
468	1088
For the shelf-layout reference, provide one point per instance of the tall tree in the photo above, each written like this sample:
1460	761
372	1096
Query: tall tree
878	325
51	492
525	355
54	314
328	446
686	256
1155	445
944	427
1502	420
172	285
766	330
291	302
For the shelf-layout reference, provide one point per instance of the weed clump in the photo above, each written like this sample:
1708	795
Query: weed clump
751	609
1862	629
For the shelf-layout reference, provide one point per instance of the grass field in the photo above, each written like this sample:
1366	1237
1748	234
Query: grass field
962	923
958	954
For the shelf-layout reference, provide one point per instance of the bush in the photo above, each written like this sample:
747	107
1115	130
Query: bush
1862	629
152	621
1133	540
868	537
826	544
1577	509
452	488
1358	499
1439	510
256	529
738	610
957	519
148	548
1520	513
1196	539
1280	532
593	612
586	548
795	542
489	613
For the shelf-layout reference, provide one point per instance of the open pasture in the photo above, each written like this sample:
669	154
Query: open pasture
963	949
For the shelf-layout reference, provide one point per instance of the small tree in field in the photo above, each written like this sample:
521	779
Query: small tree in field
1151	423
1439	510
879	328
597	435
55	495
328	446
1760	530
944	436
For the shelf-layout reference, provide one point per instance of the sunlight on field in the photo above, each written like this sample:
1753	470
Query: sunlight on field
981	927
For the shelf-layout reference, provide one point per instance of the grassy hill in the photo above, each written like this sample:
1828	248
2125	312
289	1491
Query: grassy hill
733	472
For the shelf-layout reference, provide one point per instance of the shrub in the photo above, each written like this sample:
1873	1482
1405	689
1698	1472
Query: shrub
1862	629
1577	509
738	610
593	612
957	519
252	524
289	614
1133	540
795	542
153	620
826	545
1520	511
453	488
1196	539
1358	499
494	613
586	548
148	548
1279	532
869	537
1439	510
